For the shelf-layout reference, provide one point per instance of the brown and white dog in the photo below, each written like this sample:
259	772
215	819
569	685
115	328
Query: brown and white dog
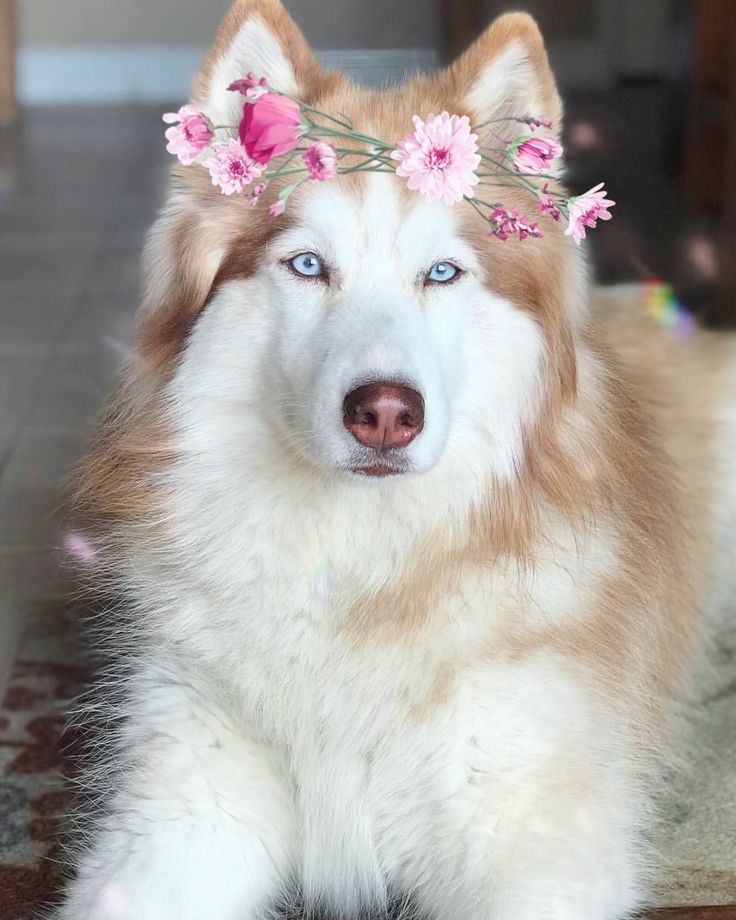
447	682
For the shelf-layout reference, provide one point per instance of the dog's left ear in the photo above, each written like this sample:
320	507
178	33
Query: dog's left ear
506	73
259	37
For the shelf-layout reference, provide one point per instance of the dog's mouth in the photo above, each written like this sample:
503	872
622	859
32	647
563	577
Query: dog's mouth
378	469
378	464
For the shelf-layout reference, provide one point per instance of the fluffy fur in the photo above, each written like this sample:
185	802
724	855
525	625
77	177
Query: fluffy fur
449	686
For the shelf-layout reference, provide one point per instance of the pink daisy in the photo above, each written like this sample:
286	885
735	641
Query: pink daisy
534	154
585	210
231	168
439	158
321	160
188	138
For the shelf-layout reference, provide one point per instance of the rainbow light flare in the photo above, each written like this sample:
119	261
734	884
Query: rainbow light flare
663	306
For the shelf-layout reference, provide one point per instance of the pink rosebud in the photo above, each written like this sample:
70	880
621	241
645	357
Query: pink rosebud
249	87
277	208
271	126
321	160
537	121
231	168
439	159
505	223
534	154
188	138
585	210
258	190
546	204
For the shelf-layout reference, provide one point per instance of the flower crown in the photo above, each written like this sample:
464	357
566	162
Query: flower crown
440	159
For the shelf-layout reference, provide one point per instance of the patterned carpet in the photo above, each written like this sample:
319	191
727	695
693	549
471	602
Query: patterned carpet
698	840
34	749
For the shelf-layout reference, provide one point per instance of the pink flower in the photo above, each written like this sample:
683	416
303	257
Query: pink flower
277	208
534	154
231	168
536	121
506	223
77	545
546	204
270	127
251	88
258	190
440	157
585	210
321	160
188	138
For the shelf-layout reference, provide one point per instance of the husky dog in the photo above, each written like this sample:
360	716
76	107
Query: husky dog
435	666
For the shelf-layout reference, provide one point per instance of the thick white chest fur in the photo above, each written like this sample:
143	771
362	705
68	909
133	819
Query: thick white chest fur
277	733
361	764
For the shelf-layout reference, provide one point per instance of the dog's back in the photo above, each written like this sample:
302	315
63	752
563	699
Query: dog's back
687	379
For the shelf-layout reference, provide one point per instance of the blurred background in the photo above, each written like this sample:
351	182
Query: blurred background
650	94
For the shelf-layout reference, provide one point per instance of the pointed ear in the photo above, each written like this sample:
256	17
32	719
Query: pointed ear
506	72
256	36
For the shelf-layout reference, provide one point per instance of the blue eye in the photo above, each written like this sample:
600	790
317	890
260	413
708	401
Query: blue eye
307	264
442	271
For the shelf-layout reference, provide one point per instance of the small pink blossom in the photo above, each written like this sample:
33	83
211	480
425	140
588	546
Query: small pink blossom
321	160
536	121
546	204
506	223
440	157
277	208
585	210
271	126
77	545
231	168
534	154
188	138
249	87
258	190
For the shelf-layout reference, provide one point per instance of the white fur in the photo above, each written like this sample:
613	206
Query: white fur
265	741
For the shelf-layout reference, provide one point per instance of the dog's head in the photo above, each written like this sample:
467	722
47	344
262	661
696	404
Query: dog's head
367	331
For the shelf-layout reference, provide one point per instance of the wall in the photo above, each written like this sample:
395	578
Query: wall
99	51
326	23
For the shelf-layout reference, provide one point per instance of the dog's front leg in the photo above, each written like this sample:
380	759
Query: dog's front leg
543	818
553	850
201	827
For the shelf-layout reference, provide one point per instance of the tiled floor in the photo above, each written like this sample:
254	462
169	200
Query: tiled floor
78	188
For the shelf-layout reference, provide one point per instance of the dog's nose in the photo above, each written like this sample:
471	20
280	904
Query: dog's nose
383	415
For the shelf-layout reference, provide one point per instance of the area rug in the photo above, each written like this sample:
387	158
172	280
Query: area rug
35	752
697	840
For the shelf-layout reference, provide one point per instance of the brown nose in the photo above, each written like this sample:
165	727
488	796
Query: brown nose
383	415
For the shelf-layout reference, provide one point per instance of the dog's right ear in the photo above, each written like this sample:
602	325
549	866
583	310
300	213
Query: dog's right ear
259	37
505	73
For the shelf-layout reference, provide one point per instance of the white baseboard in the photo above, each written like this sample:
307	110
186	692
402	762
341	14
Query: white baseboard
55	75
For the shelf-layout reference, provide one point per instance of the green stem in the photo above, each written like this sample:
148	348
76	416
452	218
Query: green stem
477	209
351	135
276	173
